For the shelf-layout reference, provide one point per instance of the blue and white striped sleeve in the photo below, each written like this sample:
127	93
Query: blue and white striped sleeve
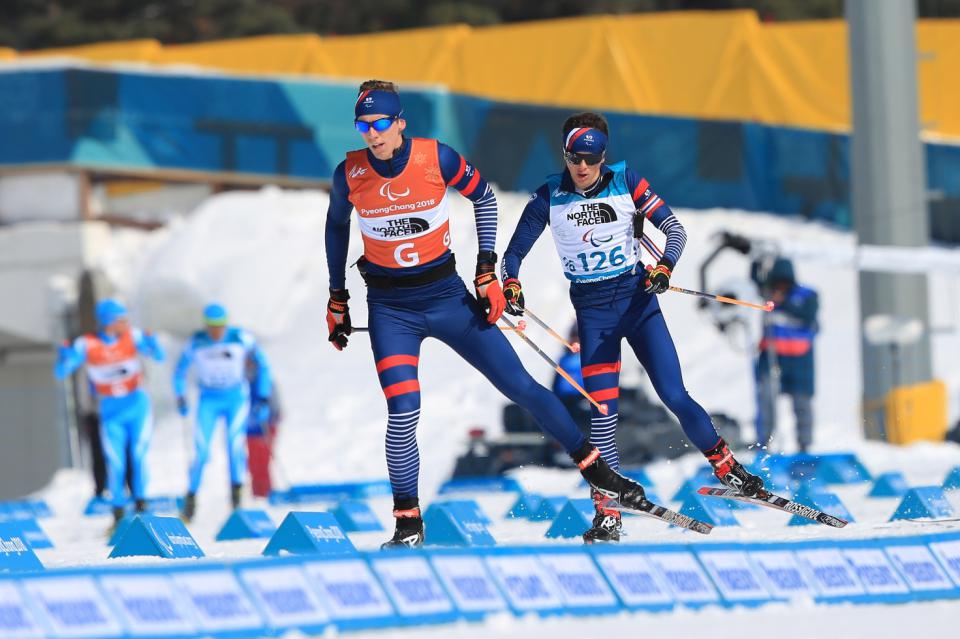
656	210
466	179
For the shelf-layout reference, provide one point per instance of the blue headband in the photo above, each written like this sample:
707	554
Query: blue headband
377	102
585	140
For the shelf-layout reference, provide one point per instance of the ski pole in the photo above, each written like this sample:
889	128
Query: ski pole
574	347
657	253
767	307
603	408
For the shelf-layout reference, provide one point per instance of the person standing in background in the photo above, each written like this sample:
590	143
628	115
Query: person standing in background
262	427
112	361
787	347
219	353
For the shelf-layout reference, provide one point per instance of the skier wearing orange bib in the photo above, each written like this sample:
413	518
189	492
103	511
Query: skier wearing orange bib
398	187
112	359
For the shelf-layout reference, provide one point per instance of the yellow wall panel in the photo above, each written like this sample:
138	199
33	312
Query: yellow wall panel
263	54
938	69
417	55
801	75
125	51
685	64
563	62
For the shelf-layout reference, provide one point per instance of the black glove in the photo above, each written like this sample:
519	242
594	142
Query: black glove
658	278
487	287
338	318
513	293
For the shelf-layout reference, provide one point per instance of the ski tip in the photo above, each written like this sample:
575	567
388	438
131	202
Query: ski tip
604	409
830	520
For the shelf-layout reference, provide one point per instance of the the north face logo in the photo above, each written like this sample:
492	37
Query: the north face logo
593	213
403	227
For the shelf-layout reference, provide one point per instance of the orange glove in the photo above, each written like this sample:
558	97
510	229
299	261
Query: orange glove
338	318
487	286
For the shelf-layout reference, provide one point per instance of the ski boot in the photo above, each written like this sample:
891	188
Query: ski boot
608	482
409	532
731	473
189	508
118	513
140	506
235	493
606	523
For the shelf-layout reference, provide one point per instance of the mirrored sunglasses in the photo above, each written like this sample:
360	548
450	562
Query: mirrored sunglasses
380	125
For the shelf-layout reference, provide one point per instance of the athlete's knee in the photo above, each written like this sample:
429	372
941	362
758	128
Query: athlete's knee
404	404
677	399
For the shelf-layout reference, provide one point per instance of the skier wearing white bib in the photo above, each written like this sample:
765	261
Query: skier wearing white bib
219	355
596	212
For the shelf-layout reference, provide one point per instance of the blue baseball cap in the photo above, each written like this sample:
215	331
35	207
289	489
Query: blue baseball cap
214	315
584	139
109	311
373	101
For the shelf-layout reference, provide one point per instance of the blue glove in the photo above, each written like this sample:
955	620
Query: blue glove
260	409
182	407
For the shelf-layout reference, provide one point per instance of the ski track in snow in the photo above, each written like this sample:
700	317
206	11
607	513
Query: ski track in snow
262	255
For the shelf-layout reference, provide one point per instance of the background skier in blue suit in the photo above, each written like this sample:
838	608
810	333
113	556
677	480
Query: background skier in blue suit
219	355
112	359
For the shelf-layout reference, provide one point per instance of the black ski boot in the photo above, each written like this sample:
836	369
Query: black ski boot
140	506
731	473
608	482
189	507
118	513
235	493
606	523
409	532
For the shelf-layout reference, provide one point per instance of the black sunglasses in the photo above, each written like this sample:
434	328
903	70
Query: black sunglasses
592	159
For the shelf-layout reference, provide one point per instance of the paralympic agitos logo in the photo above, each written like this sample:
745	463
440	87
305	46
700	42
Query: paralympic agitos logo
403	227
593	213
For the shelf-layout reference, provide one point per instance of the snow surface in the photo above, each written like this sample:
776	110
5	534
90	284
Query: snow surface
261	254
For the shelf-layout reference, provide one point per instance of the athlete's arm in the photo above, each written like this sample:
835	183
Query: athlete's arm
180	372
466	179
657	211
264	377
533	220
148	345
337	234
70	357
